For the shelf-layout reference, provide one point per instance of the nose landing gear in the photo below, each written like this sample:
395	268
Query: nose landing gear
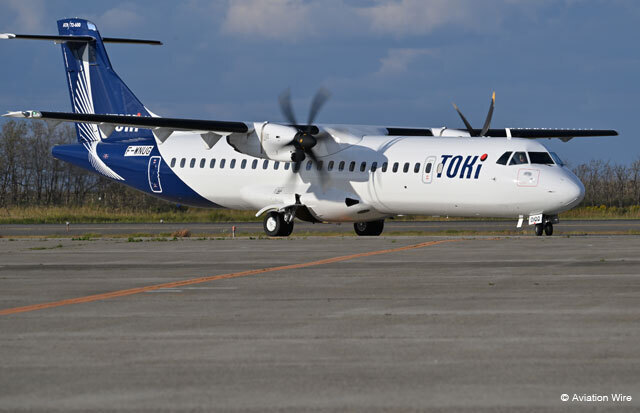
547	225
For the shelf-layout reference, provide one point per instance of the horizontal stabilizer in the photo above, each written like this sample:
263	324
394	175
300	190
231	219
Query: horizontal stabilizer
77	39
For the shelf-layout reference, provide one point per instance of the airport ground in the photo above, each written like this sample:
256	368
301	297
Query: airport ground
393	323
392	227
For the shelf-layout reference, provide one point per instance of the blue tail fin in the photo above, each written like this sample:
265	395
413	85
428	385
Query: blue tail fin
93	84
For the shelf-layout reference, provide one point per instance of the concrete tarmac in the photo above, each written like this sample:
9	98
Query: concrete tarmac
476	324
390	227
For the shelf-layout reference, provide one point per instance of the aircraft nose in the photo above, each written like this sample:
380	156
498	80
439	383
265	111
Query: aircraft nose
572	191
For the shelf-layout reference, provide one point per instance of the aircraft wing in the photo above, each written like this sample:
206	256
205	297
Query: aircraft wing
162	128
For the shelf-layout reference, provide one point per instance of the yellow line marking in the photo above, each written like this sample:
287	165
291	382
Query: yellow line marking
138	290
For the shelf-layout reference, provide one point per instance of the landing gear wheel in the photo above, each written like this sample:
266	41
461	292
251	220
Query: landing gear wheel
287	228
275	225
548	229
539	229
372	228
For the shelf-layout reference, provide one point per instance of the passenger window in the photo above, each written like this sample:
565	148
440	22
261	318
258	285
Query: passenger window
427	169
405	168
363	166
309	165
254	164
202	162
395	167
295	167
540	158
276	165
330	166
352	166
319	165
519	158
232	164
440	167
384	166
212	163
243	164
173	162
374	166
416	167
341	166
192	163
222	162
265	164
504	158
182	162
286	166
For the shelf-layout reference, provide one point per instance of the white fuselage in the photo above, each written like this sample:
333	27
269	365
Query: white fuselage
459	182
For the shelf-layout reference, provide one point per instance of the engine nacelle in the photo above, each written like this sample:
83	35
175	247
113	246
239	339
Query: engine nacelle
276	141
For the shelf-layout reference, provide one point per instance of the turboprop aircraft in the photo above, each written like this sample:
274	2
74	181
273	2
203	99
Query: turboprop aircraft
313	172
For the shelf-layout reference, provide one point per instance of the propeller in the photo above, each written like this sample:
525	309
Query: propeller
304	141
487	122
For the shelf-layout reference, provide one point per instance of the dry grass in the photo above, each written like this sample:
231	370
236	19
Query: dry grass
60	215
182	233
73	215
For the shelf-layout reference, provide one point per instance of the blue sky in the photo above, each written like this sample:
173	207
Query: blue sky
552	63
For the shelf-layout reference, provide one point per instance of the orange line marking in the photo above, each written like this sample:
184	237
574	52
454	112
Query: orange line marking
138	290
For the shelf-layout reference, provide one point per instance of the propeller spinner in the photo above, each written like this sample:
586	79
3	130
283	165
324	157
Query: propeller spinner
303	141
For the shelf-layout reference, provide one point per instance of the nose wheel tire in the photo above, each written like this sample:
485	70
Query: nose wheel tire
547	228
372	228
539	229
276	226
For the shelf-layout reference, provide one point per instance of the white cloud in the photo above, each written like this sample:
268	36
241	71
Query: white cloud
276	19
406	17
124	16
292	19
397	60
29	14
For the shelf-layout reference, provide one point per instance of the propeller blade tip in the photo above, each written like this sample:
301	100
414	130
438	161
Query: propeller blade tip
493	98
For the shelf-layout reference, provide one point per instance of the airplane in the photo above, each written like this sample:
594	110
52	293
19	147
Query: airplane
313	172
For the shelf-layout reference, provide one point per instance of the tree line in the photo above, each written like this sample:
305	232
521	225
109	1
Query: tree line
30	176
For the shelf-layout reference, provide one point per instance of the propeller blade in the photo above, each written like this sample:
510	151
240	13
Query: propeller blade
321	173
466	122
285	107
487	122
320	98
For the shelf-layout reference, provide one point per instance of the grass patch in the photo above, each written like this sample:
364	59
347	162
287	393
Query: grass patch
92	214
97	215
90	236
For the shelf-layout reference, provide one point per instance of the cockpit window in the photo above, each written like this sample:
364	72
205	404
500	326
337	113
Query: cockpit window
556	158
541	158
504	158
519	158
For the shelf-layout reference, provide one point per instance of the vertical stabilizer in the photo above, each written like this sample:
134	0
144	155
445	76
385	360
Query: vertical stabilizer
94	86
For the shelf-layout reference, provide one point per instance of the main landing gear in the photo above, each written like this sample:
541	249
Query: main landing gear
276	225
371	228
